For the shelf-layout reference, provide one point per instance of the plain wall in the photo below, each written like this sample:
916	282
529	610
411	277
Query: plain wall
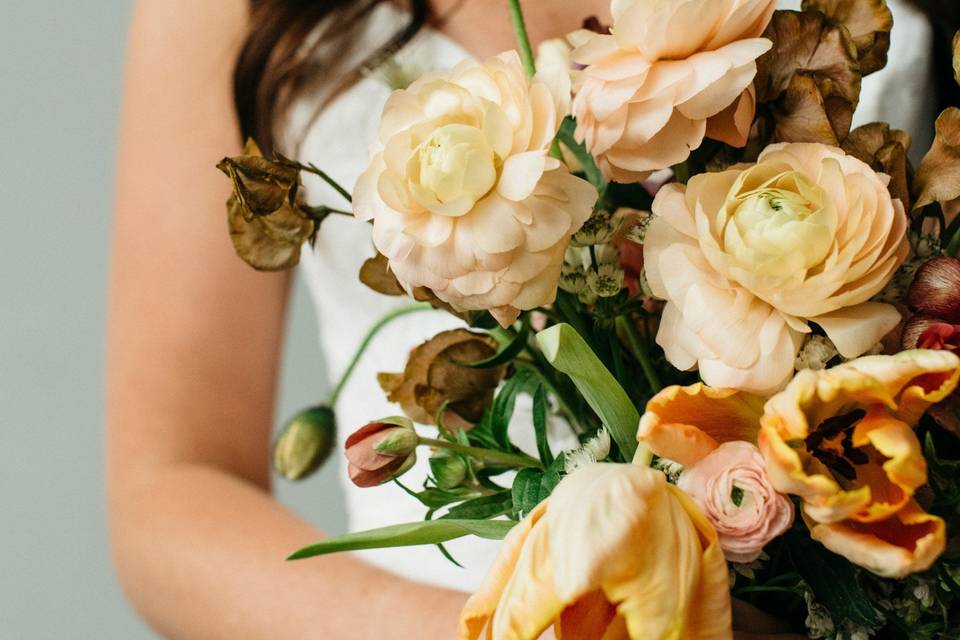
60	86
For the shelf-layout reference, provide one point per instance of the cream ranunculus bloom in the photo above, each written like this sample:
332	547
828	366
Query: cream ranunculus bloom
748	257
615	553
463	194
668	74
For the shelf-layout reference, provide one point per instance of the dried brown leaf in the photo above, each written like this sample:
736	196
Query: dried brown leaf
268	242
869	23
376	274
885	149
938	178
810	79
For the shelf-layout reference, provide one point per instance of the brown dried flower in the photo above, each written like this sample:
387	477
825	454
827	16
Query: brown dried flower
267	225
867	21
885	150
938	178
434	377
810	80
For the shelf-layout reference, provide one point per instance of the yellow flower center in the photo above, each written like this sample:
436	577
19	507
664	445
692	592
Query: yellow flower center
453	169
783	227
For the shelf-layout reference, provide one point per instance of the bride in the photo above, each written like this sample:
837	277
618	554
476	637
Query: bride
195	335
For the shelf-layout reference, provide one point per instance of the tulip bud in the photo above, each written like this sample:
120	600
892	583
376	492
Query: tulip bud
305	443
449	469
381	451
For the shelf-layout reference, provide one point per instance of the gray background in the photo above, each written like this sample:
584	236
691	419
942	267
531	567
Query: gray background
60	87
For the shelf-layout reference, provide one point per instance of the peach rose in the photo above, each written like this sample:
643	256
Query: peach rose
747	258
614	552
464	196
732	487
668	74
843	441
712	433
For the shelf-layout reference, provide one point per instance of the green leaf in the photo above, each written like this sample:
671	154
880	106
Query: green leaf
506	354
540	407
526	491
502	410
532	486
567	352
834	581
567	138
408	535
482	508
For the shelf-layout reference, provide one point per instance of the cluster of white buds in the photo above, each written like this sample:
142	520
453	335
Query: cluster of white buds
598	229
592	273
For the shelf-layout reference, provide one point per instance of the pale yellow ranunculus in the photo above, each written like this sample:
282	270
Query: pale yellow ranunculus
463	193
616	553
750	258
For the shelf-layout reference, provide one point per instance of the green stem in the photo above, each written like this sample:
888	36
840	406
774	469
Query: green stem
312	168
488	455
640	352
953	247
384	321
320	213
523	39
565	409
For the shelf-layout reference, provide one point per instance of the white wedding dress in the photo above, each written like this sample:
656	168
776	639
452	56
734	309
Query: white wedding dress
337	141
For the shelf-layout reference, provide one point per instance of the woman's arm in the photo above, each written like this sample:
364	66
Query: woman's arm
194	337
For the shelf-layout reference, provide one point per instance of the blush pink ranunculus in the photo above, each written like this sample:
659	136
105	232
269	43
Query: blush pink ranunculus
463	193
732	487
747	259
667	75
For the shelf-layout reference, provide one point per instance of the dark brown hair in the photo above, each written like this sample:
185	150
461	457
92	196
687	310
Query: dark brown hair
280	54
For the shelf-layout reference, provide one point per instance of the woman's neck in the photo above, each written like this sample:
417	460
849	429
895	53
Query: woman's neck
483	27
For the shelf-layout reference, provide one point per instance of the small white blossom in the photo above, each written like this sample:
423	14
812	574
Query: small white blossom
598	229
816	352
595	450
819	623
606	281
669	468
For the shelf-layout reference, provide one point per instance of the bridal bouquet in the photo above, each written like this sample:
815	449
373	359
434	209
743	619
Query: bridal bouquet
667	234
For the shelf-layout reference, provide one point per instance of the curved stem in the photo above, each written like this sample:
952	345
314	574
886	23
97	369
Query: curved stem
523	39
640	352
312	168
489	455
384	321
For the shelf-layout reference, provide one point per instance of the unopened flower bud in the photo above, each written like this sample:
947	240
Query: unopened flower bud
449	469
381	451
305	443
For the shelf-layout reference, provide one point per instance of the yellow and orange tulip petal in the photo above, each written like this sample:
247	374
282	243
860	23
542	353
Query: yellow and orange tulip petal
615	553
685	424
843	440
909	542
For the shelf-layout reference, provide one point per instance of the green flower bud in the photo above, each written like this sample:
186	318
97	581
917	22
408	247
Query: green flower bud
449	469
305	443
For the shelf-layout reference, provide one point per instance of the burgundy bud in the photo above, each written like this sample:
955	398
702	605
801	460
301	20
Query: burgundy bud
935	291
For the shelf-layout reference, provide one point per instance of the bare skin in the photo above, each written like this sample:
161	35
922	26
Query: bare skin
194	338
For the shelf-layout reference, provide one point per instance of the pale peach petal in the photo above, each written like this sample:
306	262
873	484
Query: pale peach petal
520	175
856	330
732	125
